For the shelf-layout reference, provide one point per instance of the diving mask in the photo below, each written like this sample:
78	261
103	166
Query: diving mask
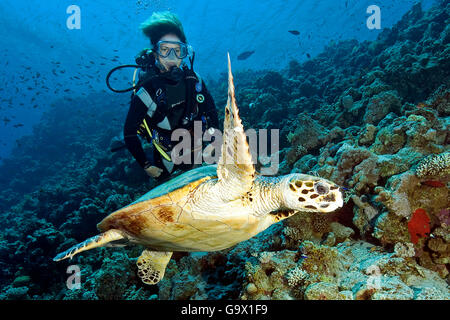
173	49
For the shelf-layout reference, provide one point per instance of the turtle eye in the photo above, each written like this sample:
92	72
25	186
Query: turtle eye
321	188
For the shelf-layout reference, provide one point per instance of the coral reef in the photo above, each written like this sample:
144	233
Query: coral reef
372	117
351	270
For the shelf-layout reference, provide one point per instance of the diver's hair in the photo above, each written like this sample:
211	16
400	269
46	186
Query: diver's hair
160	24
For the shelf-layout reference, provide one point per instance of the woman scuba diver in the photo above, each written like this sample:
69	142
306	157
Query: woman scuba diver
169	95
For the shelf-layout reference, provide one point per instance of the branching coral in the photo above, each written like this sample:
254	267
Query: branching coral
296	276
434	166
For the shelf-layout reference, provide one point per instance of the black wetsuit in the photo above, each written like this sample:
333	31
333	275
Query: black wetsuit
146	104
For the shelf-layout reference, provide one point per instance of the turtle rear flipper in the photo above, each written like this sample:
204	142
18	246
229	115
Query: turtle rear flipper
101	240
152	265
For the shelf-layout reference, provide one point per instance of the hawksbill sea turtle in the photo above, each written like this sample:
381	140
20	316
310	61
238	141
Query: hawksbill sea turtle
212	207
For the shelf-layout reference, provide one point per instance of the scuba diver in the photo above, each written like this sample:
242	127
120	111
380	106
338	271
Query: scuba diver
169	95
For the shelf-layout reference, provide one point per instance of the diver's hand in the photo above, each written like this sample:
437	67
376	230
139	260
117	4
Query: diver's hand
153	171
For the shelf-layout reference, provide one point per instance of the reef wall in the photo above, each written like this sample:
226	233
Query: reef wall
372	117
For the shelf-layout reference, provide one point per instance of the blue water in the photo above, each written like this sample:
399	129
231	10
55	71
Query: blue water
36	43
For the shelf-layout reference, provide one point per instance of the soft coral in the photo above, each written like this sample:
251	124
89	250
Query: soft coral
419	225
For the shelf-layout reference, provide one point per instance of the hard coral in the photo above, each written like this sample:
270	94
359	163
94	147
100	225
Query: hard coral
323	291
296	276
434	166
380	105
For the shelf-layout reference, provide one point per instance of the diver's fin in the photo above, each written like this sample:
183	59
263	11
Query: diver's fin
235	169
100	240
152	265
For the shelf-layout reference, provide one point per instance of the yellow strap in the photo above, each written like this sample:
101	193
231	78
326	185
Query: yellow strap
148	129
163	153
157	146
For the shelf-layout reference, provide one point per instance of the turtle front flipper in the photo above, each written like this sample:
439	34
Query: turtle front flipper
152	265
100	240
235	169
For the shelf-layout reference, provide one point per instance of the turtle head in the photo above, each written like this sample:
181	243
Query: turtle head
308	193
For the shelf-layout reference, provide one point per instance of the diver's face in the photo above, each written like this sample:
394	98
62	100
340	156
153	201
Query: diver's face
171	60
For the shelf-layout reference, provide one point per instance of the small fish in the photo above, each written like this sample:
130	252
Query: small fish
18	125
244	55
434	183
308	55
294	32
